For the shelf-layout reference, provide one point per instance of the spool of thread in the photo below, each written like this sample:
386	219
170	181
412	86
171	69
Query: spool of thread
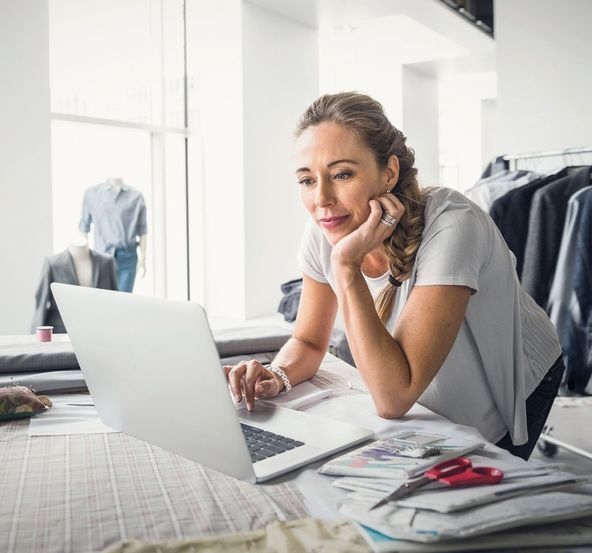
44	333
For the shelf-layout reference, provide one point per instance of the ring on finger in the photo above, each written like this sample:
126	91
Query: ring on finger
387	219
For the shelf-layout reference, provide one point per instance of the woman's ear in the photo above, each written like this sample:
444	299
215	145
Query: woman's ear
392	172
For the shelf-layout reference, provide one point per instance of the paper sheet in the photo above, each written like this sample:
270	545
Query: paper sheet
428	527
70	414
380	460
447	500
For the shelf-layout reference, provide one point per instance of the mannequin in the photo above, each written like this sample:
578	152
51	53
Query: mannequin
78	265
80	253
141	254
117	212
116	183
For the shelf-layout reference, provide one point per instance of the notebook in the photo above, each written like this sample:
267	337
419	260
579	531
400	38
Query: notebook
153	371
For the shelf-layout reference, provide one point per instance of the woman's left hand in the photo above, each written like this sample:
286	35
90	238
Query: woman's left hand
351	249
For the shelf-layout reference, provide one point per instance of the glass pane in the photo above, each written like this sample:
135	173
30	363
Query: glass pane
108	59
84	155
173	63
175	217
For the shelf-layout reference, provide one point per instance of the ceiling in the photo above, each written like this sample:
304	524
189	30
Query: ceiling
424	33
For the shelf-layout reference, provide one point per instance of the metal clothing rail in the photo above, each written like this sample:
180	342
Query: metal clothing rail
548	153
511	161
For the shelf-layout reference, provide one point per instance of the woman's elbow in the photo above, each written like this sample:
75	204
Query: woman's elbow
391	410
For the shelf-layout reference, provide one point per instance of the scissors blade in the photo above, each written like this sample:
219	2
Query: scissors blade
402	491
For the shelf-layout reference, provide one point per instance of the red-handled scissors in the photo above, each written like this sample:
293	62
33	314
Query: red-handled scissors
453	473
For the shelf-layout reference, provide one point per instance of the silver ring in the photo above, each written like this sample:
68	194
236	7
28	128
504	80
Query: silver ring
388	220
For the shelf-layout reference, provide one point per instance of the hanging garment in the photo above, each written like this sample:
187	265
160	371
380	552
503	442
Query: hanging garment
60	268
494	166
486	191
561	294
291	291
577	329
545	228
511	213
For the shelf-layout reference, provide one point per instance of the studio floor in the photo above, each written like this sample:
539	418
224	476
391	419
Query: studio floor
569	420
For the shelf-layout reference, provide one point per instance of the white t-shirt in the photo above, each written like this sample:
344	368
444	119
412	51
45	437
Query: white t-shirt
506	343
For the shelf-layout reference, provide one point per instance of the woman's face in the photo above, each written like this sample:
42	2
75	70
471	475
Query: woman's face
338	175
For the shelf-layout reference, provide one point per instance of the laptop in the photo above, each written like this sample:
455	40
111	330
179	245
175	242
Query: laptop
153	371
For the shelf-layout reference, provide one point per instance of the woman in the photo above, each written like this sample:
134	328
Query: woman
425	285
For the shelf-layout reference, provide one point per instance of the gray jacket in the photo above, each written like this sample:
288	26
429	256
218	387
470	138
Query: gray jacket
60	268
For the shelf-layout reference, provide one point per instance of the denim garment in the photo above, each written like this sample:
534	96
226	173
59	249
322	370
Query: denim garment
577	333
561	297
538	406
126	261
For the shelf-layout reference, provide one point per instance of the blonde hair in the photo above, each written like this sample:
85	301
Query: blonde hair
366	118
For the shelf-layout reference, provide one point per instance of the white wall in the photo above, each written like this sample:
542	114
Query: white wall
217	55
25	187
420	122
489	130
257	72
280	78
461	115
348	61
544	56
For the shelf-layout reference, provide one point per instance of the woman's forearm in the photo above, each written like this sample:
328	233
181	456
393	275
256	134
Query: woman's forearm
299	359
378	356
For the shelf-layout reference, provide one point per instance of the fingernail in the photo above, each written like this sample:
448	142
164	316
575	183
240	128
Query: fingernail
237	397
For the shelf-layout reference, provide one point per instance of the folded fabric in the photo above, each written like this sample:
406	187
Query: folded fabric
45	382
30	355
248	340
25	354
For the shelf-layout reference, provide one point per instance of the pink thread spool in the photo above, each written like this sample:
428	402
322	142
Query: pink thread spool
44	333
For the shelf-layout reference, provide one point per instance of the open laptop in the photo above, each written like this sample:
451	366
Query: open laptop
153	370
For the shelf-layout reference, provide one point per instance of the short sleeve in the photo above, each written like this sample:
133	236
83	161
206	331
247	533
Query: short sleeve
85	216
313	249
454	247
142	227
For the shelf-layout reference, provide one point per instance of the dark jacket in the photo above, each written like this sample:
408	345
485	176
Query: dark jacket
545	229
60	268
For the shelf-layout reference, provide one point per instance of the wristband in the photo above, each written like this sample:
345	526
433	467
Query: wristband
283	376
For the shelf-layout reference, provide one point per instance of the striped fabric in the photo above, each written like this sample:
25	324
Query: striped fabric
81	493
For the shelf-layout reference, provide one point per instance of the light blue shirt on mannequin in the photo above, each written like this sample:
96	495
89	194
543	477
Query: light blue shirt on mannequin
118	216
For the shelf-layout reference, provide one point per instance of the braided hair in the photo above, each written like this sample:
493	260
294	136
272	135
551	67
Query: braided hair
366	118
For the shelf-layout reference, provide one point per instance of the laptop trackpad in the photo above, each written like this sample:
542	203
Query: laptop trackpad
261	413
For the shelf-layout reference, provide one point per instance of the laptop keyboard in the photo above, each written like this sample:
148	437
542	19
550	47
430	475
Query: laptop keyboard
263	444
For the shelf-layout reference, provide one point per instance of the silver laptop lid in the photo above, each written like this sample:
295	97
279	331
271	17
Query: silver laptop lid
137	352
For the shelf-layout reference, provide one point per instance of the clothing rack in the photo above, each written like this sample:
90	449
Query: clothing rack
511	160
541	161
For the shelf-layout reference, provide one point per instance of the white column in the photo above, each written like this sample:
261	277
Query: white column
25	166
280	80
420	122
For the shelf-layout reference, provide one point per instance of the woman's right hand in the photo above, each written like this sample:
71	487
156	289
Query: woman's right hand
352	249
253	381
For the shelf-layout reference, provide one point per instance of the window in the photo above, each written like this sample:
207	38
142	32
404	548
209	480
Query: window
117	78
